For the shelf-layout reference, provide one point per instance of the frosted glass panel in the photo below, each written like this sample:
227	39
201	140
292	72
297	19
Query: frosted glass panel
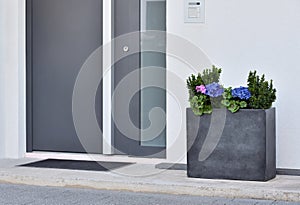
153	98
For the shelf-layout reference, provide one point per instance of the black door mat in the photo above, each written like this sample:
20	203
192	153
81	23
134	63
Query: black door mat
77	165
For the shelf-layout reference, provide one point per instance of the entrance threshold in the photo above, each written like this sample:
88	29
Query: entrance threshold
92	157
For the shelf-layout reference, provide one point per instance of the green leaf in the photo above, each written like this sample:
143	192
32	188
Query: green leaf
207	111
226	103
243	104
233	107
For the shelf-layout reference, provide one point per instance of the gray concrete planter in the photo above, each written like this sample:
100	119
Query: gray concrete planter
239	146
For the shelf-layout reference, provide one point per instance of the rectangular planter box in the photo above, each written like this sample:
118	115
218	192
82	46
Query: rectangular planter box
239	146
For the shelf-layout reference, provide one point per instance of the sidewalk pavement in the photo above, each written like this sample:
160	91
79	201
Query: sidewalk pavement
142	176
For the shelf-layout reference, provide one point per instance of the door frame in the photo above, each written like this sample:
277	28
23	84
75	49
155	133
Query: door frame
29	87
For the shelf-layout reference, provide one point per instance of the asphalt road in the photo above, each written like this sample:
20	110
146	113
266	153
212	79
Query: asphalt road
33	195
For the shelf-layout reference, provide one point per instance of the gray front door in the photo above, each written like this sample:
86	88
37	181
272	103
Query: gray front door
132	116
61	35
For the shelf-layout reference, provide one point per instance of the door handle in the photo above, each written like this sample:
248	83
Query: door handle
125	48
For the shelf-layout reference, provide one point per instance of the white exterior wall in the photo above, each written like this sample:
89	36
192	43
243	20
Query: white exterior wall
237	35
245	35
2	78
12	85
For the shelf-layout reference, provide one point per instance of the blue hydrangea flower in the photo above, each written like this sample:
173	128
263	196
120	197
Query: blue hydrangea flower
214	90
242	92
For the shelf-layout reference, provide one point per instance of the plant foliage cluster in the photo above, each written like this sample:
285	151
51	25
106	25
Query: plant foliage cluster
263	92
205	93
200	102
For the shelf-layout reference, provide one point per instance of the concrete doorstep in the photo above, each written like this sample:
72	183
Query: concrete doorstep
143	176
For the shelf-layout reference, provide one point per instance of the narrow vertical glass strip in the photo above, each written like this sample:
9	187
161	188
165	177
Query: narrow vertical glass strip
153	98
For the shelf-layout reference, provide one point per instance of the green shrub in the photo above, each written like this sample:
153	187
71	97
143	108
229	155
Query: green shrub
262	91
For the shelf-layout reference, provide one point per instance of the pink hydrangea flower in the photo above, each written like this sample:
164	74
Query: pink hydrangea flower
201	89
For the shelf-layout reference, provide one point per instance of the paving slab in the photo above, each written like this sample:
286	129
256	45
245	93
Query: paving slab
143	176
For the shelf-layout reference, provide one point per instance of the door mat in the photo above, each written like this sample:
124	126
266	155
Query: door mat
77	165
